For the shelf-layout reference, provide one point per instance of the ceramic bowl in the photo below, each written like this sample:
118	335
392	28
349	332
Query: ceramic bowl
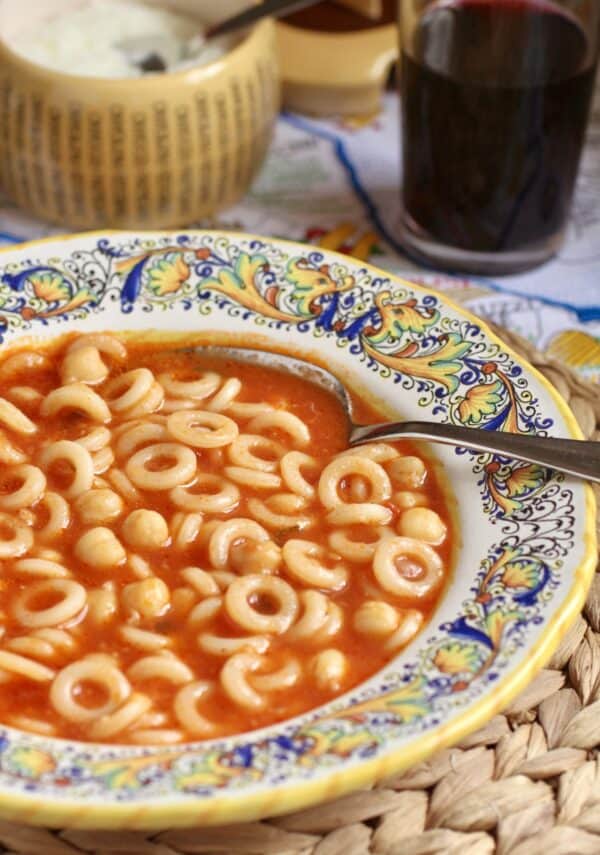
526	544
149	152
345	75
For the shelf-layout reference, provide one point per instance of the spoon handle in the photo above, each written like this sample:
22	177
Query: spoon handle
573	456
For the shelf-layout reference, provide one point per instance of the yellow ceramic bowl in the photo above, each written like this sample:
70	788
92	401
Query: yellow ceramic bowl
149	152
335	74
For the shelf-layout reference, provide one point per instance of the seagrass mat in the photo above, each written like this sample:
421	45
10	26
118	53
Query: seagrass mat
528	783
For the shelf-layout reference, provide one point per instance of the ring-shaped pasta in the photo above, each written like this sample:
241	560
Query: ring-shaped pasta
78	397
175	405
23	666
282	421
102	460
380	452
201	581
23	362
28	645
9	453
204	387
59	516
20	540
137	435
180	472
60	639
96	439
77	457
277	681
243	410
144	639
102	606
345	467
63	695
150	403
411	621
241	452
32	484
155	736
185	528
234	680
83	365
111	724
263	513
320	618
225	396
205	610
202	429
387	567
123	485
185	707
223	646
229	532
253	478
223	578
359	513
291	465
41	567
73	600
107	344
304	561
160	668
128	389
243	599
25	396
357	551
223	500
14	419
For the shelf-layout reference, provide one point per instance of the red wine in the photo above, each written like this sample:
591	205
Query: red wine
495	100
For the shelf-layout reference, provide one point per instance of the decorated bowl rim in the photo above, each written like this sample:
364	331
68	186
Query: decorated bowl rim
155	814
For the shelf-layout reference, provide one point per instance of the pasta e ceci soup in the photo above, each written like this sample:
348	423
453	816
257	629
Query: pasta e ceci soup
189	549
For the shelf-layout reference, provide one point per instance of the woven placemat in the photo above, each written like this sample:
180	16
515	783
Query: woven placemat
528	783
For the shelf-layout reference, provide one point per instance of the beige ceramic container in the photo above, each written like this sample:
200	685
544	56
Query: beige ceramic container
338	73
150	152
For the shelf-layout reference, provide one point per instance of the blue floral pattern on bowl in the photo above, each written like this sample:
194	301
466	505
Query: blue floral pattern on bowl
501	613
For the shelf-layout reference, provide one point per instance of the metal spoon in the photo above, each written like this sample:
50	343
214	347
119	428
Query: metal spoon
572	456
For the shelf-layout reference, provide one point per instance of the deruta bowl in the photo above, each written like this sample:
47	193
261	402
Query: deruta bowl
524	560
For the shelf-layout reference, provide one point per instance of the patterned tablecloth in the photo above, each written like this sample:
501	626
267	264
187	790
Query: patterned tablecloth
336	184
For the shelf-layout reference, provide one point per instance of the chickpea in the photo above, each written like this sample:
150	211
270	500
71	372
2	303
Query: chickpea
375	617
407	472
100	548
144	529
404	499
149	598
329	668
422	524
255	557
98	506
